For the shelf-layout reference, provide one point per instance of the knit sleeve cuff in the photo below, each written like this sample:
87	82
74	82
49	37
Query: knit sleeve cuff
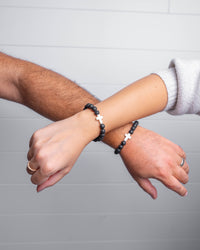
170	80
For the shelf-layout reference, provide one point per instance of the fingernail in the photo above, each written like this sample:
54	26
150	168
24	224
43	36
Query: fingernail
186	194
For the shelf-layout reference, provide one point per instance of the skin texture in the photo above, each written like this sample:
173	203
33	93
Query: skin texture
55	97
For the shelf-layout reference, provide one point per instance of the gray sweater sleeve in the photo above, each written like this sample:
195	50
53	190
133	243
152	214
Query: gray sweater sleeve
182	81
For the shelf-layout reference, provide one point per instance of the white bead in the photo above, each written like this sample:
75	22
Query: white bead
99	118
127	136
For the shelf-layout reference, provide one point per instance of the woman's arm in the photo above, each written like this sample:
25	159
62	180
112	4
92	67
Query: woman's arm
142	98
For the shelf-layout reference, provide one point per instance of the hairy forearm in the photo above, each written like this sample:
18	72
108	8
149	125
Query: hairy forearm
48	93
56	97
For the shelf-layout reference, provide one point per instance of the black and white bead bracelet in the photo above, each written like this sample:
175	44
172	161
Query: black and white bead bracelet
127	136
98	118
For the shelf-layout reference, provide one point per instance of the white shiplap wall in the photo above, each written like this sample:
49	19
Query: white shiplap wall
102	45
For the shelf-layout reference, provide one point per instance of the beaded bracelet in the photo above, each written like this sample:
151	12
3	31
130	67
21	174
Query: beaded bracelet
98	118
127	136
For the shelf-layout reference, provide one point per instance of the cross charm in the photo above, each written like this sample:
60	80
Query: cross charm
99	118
127	136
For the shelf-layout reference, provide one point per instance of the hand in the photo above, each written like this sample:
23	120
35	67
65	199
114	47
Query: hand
149	155
54	150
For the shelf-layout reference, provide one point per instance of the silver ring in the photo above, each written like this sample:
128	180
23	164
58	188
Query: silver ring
182	163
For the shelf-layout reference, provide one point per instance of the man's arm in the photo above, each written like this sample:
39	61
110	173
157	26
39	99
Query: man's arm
56	97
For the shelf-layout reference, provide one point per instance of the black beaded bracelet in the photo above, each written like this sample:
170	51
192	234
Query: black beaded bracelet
98	118
127	136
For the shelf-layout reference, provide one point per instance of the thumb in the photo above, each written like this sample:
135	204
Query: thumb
147	186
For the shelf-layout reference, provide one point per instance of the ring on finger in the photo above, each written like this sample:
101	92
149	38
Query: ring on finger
182	162
29	167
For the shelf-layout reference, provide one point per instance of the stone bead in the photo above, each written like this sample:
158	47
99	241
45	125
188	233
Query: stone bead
123	143
117	151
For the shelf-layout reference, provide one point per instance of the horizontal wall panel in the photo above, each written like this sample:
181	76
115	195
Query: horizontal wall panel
95	199
16	137
116	5
98	29
117	245
185	6
183	133
104	67
91	168
26	228
14	110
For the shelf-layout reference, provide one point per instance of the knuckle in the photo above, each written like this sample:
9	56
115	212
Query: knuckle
40	155
162	173
37	145
36	135
185	180
47	169
172	186
181	151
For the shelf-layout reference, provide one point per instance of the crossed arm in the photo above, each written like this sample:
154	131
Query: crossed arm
57	98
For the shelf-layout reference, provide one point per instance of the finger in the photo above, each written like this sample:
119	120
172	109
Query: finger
30	154
52	180
43	174
173	184
31	141
181	175
38	179
186	167
31	168
147	186
180	152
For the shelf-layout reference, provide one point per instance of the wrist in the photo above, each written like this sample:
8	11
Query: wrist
131	145
88	124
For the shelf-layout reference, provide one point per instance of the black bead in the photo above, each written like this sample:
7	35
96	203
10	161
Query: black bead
94	108
120	146
123	143
102	126
117	151
103	131
91	106
131	131
96	112
87	105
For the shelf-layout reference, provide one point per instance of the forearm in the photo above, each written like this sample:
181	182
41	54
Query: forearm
142	98
48	93
56	97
